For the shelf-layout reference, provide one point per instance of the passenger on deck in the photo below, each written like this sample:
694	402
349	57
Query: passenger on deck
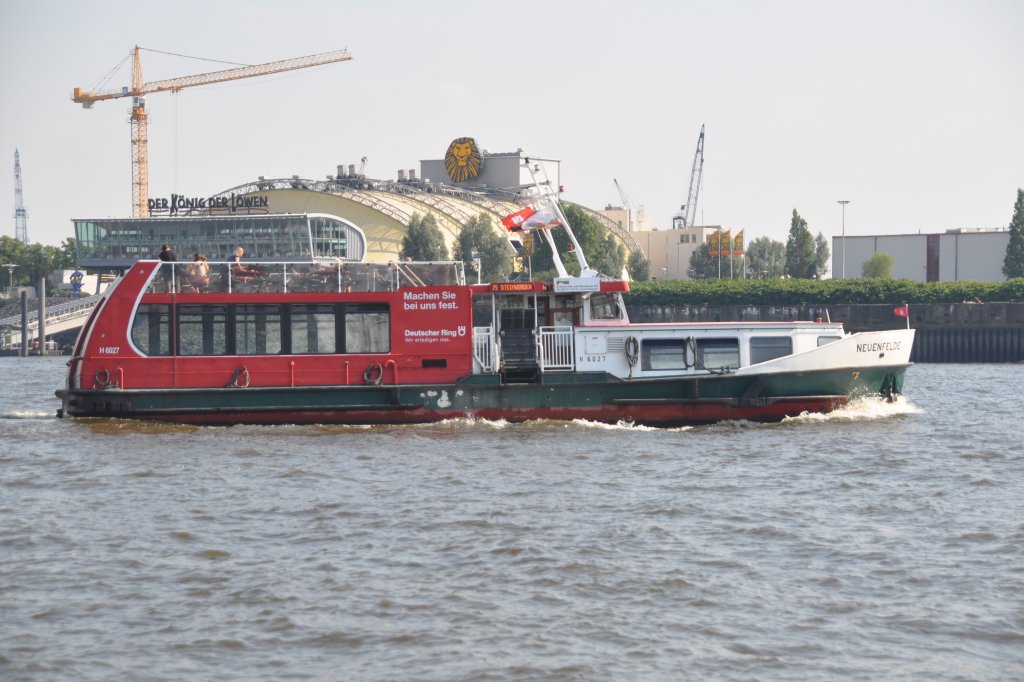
199	272
240	267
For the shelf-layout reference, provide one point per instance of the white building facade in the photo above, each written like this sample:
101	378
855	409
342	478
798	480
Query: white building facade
957	255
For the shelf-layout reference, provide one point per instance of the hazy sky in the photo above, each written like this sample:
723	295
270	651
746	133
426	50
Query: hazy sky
913	111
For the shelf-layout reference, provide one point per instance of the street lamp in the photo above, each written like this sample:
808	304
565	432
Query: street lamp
843	203
10	271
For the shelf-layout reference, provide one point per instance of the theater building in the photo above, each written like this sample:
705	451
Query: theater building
345	215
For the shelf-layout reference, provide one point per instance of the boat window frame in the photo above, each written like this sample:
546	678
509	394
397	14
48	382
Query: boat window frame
765	353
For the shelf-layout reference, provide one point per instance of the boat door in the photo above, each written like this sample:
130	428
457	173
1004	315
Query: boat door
518	344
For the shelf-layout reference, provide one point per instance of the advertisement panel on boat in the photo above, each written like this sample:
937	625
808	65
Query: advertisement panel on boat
435	319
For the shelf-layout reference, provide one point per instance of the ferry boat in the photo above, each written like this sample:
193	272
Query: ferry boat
414	342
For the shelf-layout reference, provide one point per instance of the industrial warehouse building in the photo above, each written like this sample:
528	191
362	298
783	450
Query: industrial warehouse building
345	215
957	255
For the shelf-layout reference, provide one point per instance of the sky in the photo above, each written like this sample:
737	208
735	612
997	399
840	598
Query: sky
913	110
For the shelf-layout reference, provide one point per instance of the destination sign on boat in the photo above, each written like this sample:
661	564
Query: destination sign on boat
511	287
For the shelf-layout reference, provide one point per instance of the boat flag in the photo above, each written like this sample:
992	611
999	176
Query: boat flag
544	220
902	311
514	221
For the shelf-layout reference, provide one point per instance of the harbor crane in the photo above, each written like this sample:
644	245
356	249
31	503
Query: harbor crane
625	204
688	211
138	119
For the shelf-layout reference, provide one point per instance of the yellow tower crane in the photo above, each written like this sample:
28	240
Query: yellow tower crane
138	89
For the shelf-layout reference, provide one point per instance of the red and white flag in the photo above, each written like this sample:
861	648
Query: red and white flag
902	311
544	220
514	221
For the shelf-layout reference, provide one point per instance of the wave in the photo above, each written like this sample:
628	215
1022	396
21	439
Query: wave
17	414
860	409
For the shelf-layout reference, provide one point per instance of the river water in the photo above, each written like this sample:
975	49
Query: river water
885	541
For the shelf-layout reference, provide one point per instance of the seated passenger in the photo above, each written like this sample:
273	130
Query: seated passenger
199	272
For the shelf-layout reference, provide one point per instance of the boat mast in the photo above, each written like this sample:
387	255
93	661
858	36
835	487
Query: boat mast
547	197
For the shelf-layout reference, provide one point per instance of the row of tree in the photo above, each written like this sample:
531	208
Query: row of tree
34	260
801	257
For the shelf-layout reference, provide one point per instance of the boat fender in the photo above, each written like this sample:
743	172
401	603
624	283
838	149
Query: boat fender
374	374
240	379
102	378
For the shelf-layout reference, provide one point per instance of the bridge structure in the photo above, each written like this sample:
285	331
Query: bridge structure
59	318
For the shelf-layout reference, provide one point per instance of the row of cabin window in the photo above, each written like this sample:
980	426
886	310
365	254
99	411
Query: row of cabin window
673	354
263	329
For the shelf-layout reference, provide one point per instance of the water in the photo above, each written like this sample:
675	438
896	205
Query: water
881	542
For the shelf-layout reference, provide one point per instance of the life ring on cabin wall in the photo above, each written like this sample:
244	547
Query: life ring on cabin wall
102	378
240	379
374	374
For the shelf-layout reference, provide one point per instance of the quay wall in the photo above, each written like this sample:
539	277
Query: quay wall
946	332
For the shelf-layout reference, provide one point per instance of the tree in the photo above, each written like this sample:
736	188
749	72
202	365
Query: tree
766	259
69	247
478	235
821	256
705	266
800	253
878	266
423	240
1013	261
638	266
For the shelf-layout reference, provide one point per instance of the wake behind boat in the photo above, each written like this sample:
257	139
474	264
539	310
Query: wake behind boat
357	343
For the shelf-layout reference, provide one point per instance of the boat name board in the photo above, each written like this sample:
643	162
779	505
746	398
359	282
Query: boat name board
878	346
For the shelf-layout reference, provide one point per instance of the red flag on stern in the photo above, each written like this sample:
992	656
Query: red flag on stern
901	311
514	221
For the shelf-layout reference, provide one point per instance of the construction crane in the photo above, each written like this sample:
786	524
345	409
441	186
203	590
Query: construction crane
20	214
688	211
625	204
138	120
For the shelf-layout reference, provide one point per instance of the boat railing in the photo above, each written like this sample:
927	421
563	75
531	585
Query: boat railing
555	347
283	277
484	350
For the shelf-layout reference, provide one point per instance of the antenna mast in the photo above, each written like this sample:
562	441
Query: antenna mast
20	215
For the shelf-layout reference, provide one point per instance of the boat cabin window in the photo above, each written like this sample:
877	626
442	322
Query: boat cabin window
661	354
202	330
312	329
718	353
151	329
604	307
367	328
822	340
765	348
263	329
258	329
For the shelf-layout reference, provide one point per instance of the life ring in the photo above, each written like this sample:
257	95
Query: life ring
374	374
240	379
102	378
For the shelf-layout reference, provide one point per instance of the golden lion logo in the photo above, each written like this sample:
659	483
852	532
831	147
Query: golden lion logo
462	159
